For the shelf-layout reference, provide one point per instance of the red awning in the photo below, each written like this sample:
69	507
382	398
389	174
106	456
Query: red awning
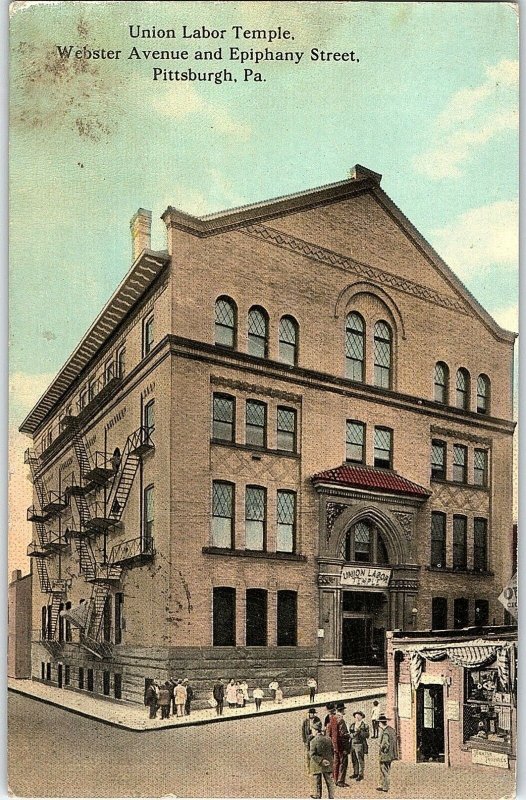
379	480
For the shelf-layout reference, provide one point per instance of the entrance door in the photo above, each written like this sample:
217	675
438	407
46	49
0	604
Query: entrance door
430	723
59	675
356	640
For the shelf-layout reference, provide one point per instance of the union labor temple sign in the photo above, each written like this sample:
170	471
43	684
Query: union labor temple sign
365	577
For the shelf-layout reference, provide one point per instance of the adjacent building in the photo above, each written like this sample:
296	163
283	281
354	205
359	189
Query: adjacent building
19	622
285	435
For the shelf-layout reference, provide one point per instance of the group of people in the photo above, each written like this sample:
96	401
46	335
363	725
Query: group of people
174	695
329	743
235	694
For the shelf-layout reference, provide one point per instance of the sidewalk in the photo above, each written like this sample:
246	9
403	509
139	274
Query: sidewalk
133	717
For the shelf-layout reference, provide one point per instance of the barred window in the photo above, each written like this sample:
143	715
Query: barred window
383	442
286	522
438	539
362	542
257	332
354	347
483	386
222	514
286	429
462	385
225	322
441	382
480	468
382	355
256	423
255	518
460	556
438	460
288	340
355	442
480	545
223	418
460	463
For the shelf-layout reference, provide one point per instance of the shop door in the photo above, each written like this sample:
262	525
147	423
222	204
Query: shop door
430	723
356	640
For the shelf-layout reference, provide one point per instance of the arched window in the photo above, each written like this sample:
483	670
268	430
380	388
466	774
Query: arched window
483	387
441	382
462	386
288	340
257	332
225	322
382	355
364	543
354	347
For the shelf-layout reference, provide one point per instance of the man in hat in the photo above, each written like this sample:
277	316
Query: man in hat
344	739
333	730
359	748
307	731
321	762
387	752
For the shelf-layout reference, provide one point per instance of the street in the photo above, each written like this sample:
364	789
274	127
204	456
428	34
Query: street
55	753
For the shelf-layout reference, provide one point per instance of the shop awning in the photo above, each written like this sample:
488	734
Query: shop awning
463	655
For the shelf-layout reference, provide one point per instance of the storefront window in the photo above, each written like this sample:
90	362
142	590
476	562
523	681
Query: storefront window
487	706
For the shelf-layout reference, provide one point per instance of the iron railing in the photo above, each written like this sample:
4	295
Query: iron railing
132	549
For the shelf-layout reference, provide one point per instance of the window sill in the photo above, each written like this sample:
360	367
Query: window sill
224	551
459	484
255	449
453	571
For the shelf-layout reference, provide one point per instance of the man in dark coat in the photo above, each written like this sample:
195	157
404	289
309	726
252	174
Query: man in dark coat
307	731
321	762
344	739
189	697
165	693
359	748
150	700
219	695
388	751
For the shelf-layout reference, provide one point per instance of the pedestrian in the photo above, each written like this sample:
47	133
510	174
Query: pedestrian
312	685
231	694
173	684
164	699
359	748
329	708
239	695
374	718
278	697
344	739
333	731
307	732
273	685
387	751
257	694
180	698
150	700
321	762
190	694
219	696
244	689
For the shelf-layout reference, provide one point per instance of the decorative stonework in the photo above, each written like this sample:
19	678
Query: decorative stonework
328	580
404	583
406	523
448	433
333	511
460	498
325	256
253	388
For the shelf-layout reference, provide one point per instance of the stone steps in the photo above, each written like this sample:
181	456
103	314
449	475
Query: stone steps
355	678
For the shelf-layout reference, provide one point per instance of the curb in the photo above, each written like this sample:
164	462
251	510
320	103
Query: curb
345	698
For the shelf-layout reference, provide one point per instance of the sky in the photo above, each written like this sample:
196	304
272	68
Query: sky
431	103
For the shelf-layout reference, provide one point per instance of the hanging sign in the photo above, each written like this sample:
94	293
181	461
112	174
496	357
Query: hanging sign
508	597
366	577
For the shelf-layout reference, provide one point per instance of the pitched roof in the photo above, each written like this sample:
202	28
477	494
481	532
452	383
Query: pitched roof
379	480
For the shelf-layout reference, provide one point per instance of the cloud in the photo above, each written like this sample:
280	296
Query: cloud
178	102
480	238
25	389
472	117
507	317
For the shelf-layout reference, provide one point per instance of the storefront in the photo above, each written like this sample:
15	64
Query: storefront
453	695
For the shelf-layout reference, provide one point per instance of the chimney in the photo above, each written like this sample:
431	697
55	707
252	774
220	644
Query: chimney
141	232
16	575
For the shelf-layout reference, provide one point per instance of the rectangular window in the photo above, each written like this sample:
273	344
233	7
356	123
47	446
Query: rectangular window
147	335
383	443
121	362
44	623
480	545
92	389
286	522
149	418
68	634
355	442
224	617
481	612
61	623
90	679
81	678
256	618
83	397
460	463
223	418
439	613
461	613
117	685
106	620
148	518
119	601
43	670
222	514
255	518
287	619
67	675
459	542
438	539
256	424
109	371
49	633
106	682
48	671
480	468
438	460
286	429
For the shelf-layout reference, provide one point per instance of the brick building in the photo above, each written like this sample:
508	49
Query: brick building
283	436
19	616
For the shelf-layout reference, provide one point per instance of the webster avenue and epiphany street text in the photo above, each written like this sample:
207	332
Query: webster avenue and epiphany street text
190	47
